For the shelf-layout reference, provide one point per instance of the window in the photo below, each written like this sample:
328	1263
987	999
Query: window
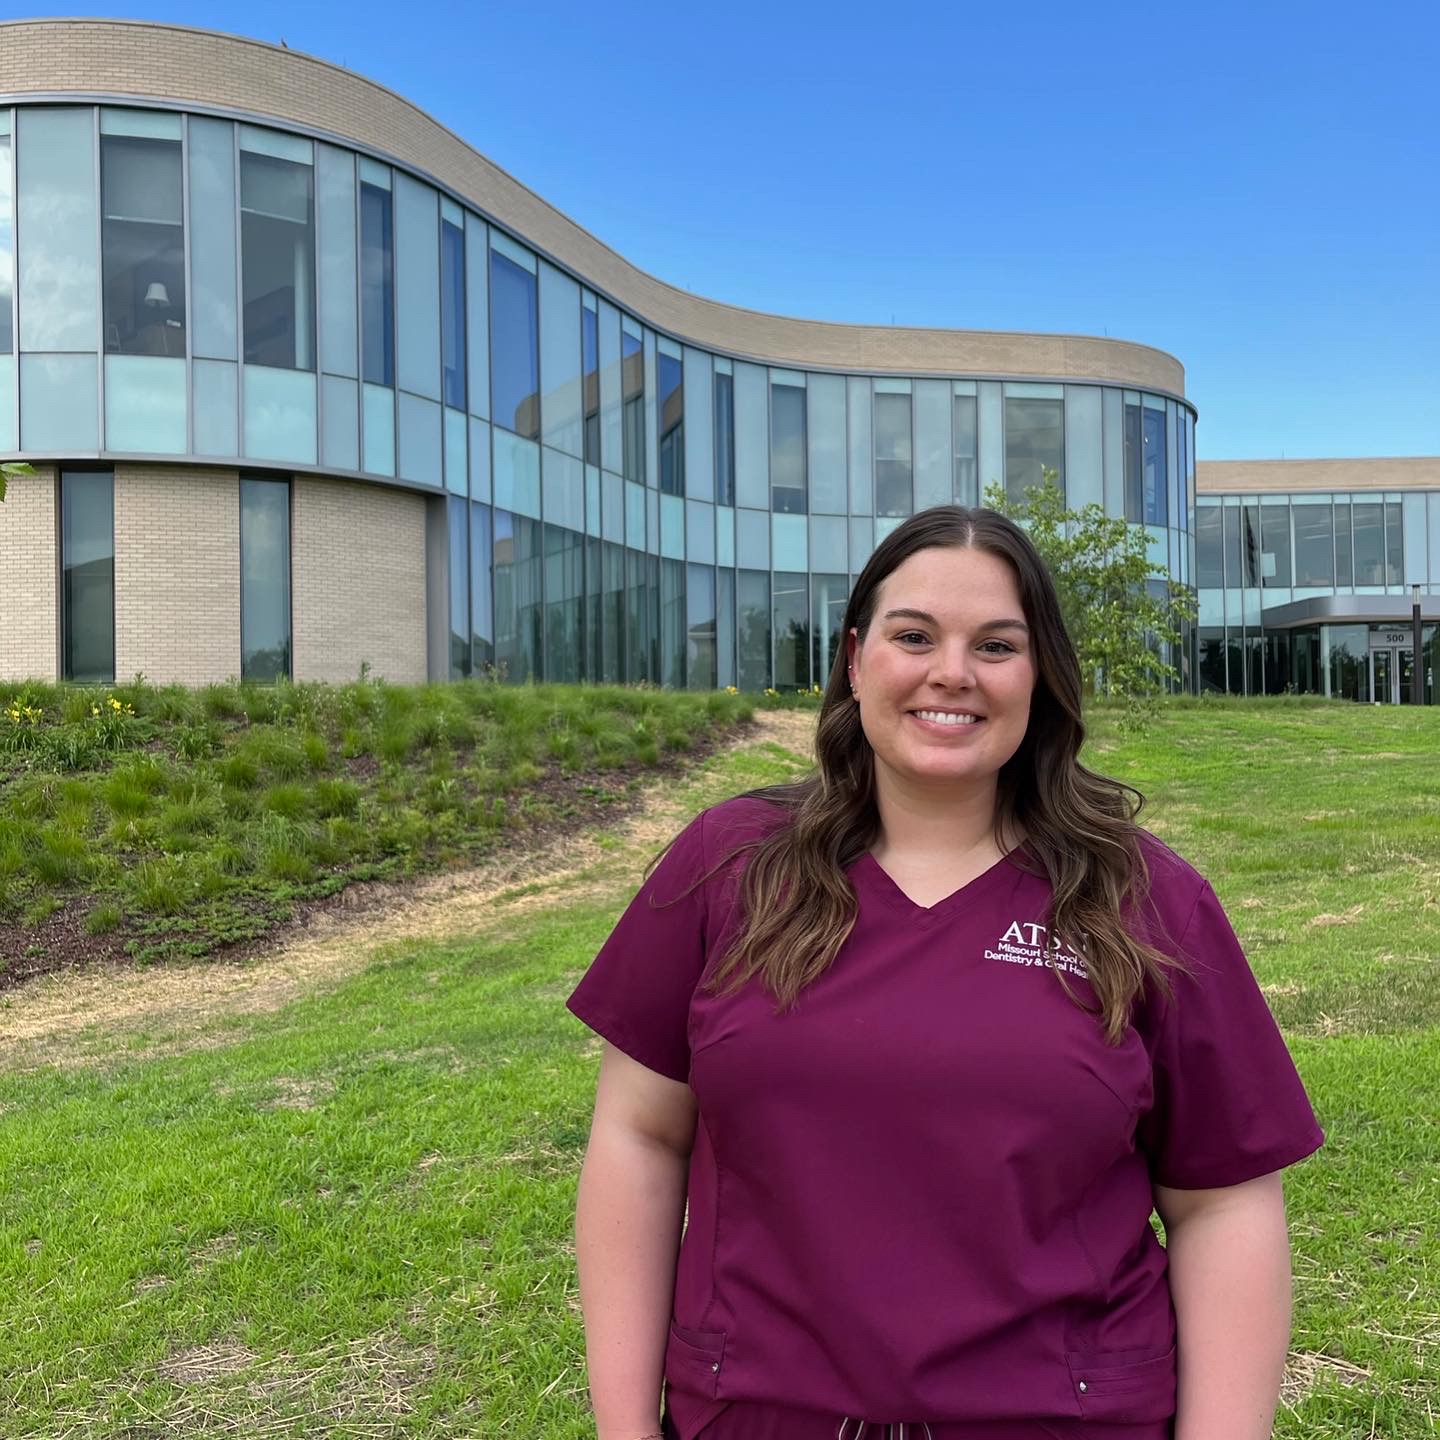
460	611
1394	543
377	284
612	605
1155	500
753	629
1035	443
142	246
264	578
564	601
1344	570
482	616
791	610
787	450
1275	551
724	439
672	624
1369	543
7	248
966	434
87	558
700	648
1134	466
1209	572
452	314
514	346
516	577
632	369
671	376
590	379
893	474
277	246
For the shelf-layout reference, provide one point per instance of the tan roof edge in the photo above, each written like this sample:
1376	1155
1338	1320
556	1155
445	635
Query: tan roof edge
1379	472
209	70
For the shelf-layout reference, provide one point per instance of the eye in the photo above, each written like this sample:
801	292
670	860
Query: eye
998	647
909	634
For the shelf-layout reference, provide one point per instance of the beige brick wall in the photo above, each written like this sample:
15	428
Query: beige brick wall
29	578
101	57
177	574
1410	472
357	557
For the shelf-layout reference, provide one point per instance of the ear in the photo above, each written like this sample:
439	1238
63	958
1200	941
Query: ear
852	647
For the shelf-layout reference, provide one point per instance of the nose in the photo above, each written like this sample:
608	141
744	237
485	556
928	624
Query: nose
953	666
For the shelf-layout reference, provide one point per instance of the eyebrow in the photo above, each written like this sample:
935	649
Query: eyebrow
929	619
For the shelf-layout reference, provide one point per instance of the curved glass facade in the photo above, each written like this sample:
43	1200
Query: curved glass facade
610	502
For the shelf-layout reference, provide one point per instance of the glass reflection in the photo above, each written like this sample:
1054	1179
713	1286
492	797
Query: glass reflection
514	347
590	347
1035	442
632	369
894	492
87	558
452	314
671	376
142	246
264	578
277	245
377	284
787	450
7	249
724	439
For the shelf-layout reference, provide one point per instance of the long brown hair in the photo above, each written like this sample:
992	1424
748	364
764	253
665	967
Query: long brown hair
797	904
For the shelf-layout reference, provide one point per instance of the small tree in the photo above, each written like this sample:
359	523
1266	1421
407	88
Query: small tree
9	468
1101	566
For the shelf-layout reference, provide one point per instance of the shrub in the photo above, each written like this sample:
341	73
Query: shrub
103	918
238	771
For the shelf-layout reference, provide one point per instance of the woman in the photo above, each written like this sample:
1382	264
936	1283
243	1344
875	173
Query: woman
923	1040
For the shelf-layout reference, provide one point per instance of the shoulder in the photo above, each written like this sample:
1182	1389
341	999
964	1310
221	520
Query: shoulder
741	820
718	834
1172	889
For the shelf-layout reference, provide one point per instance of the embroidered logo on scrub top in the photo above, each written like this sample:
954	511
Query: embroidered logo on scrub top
1025	943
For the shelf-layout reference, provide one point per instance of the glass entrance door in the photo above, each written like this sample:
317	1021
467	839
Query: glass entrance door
1404	675
1382	677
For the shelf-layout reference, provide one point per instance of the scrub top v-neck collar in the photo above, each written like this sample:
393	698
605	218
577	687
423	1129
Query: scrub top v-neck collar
883	886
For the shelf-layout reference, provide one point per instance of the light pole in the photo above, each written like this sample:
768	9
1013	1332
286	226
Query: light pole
1417	668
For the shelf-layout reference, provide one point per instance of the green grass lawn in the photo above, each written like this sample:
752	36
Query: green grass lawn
353	1217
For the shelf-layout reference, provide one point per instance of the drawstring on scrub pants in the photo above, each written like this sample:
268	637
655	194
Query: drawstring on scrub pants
898	1431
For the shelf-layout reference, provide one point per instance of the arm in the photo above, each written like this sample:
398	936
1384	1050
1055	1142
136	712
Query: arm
1230	1280
627	1236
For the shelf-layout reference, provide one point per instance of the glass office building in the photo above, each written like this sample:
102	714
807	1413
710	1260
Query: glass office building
1308	574
308	383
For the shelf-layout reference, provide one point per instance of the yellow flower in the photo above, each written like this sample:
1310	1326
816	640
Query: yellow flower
114	703
94	709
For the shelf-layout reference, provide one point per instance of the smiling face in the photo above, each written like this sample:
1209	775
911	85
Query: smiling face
946	671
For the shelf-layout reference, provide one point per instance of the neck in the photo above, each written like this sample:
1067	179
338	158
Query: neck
931	821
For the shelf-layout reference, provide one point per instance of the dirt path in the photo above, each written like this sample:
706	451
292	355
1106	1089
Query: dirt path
63	1020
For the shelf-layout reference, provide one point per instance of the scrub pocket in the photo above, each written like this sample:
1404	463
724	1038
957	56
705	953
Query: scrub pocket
694	1361
1128	1386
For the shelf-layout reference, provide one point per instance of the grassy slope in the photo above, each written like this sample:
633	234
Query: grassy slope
353	1218
163	823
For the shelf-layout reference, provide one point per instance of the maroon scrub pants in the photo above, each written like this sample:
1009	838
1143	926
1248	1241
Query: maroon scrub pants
741	1420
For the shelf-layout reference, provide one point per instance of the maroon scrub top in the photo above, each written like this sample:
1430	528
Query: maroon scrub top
925	1192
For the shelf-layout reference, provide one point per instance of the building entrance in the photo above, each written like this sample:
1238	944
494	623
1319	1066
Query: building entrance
1390	676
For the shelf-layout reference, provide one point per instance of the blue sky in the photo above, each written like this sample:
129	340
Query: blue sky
1254	188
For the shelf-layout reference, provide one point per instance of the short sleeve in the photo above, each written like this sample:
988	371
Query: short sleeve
637	990
1229	1105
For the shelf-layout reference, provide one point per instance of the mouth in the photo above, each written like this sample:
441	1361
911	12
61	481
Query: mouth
947	719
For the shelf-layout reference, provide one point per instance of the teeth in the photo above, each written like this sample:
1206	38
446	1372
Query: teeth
940	718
